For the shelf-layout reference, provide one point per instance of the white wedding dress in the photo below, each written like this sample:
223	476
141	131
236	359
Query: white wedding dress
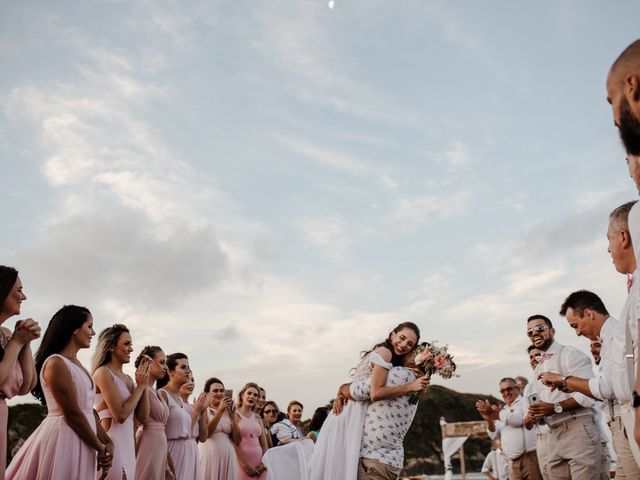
337	450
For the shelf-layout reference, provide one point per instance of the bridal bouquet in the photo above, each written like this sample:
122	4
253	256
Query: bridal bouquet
432	359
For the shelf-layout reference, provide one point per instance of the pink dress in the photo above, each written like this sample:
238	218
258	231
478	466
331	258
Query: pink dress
152	445
218	459
249	447
122	435
9	389
54	451
192	444
180	447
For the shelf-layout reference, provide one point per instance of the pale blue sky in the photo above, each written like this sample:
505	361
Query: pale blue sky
271	186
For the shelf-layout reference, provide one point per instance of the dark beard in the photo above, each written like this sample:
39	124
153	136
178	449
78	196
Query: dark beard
629	128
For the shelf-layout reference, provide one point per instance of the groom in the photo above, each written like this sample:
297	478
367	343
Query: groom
385	426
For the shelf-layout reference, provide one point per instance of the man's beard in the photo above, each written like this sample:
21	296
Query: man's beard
629	128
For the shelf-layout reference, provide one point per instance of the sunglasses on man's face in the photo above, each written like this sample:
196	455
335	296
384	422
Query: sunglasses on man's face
507	390
535	330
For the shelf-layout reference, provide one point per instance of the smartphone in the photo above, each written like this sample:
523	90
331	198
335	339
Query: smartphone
533	399
228	393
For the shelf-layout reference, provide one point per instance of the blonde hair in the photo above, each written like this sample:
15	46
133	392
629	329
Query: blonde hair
107	340
245	388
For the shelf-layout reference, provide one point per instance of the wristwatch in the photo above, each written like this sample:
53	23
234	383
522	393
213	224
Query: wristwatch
563	386
557	407
635	400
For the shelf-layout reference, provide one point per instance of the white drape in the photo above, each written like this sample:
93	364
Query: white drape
450	445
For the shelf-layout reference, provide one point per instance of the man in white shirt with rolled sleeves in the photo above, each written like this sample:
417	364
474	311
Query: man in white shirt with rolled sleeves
507	424
587	315
575	447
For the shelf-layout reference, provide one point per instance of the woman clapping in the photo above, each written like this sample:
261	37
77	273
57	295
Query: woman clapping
119	398
17	370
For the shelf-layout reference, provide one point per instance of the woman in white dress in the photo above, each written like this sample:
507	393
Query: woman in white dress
337	450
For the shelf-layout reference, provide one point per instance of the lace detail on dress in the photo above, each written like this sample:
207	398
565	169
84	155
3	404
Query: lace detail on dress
365	368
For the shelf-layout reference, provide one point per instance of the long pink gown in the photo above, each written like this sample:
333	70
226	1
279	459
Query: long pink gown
178	431
250	448
54	451
152	446
122	435
192	444
8	389
218	459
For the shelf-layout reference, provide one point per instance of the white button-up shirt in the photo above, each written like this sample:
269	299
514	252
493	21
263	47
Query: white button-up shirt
534	386
565	360
497	464
629	314
601	386
515	439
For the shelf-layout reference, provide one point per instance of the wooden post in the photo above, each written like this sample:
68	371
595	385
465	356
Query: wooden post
462	465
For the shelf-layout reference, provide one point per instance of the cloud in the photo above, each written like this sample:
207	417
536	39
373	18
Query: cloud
121	254
328	233
420	210
546	239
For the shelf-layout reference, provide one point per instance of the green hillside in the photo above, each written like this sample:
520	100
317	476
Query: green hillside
23	419
423	443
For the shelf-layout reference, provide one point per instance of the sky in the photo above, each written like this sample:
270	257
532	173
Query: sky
271	186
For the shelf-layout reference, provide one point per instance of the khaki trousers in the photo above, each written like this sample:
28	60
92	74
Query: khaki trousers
525	467
369	469
575	450
605	462
542	451
626	466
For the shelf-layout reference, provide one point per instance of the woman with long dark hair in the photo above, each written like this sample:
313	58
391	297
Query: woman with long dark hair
218	460
151	459
67	441
17	370
119	398
337	450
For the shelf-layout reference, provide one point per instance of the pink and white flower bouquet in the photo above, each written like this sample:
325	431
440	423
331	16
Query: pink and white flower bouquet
432	359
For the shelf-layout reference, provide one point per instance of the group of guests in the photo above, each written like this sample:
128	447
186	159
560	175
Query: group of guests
101	423
551	428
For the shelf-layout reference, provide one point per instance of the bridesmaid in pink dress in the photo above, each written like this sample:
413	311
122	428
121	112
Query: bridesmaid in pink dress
151	459
179	426
254	442
17	371
65	444
218	459
198	420
118	398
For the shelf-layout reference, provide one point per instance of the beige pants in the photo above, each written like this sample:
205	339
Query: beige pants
575	450
626	466
605	463
525	467
542	451
369	469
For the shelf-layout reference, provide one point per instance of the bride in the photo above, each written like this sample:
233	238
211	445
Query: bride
337	451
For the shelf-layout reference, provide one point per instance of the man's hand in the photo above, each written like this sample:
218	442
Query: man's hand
552	380
488	411
339	403
539	410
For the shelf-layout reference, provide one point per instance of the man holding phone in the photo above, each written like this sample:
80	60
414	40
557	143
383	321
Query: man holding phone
574	440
